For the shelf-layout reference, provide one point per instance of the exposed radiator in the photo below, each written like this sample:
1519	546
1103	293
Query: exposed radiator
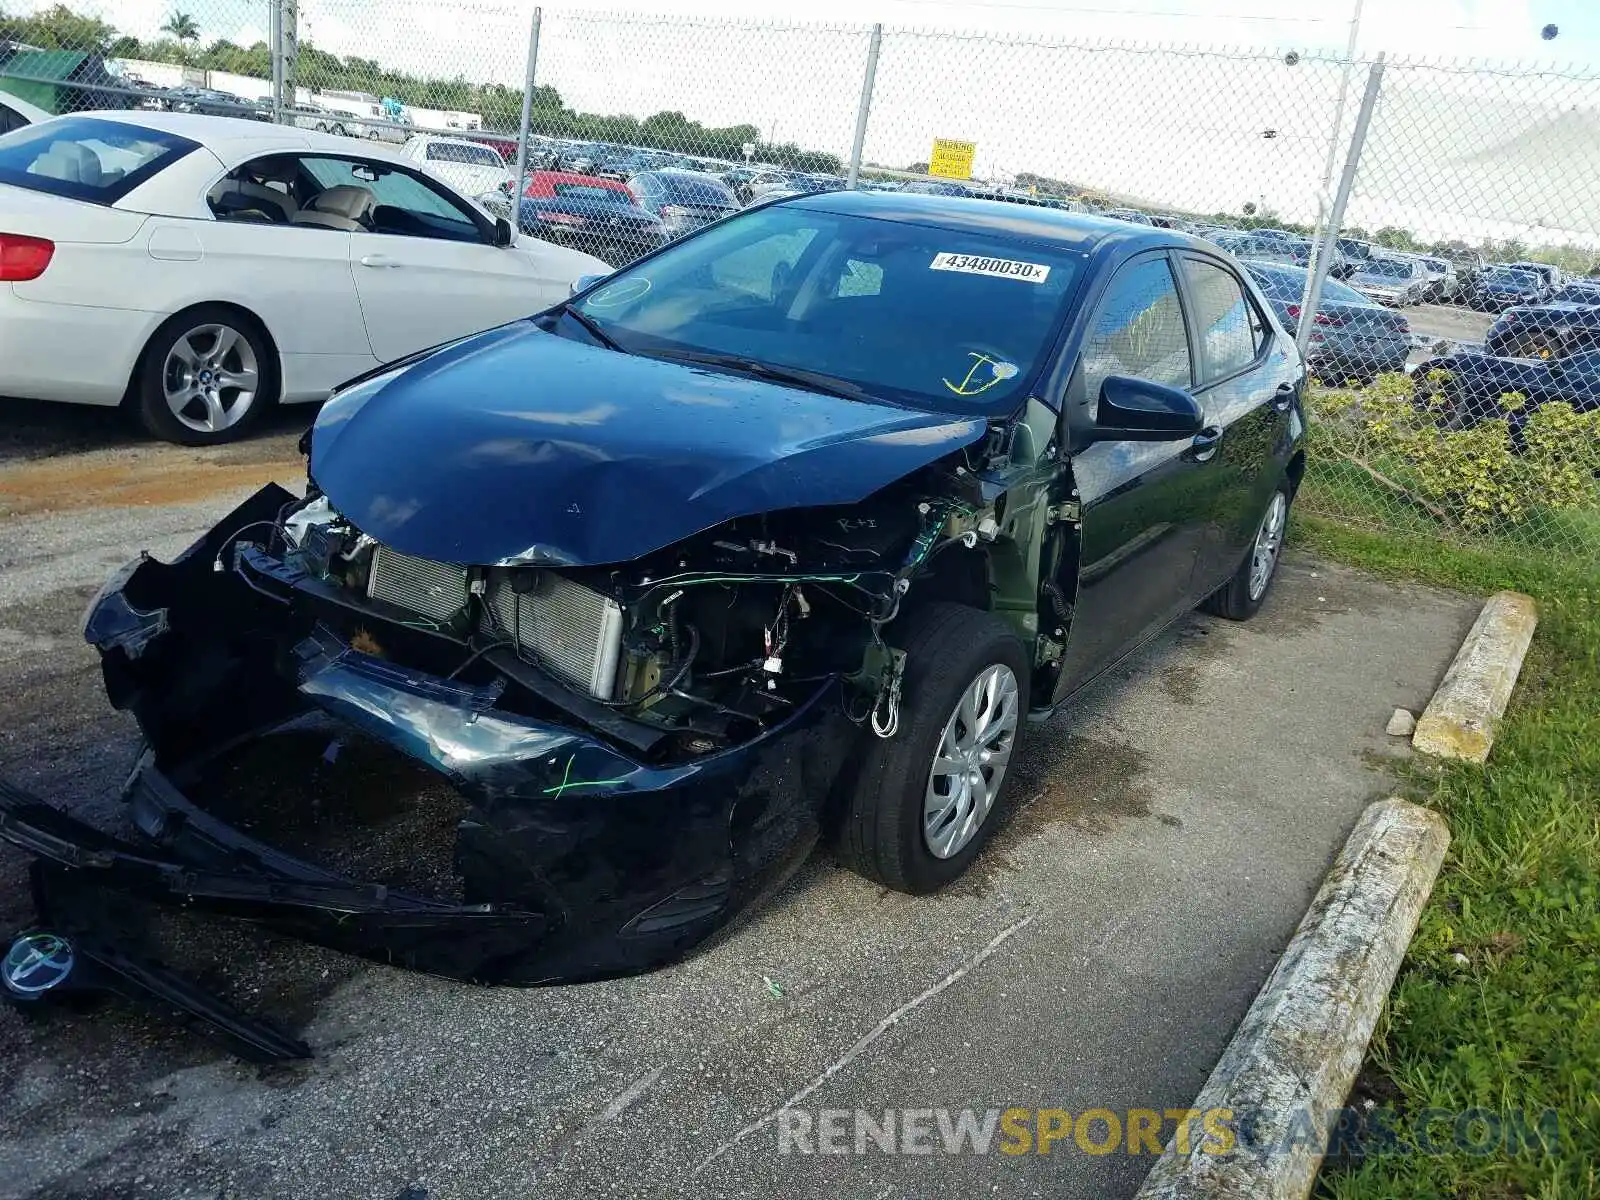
419	585
574	632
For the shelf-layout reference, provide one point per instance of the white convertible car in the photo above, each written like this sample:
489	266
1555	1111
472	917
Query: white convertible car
200	269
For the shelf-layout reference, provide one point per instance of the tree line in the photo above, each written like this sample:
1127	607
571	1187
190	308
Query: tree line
59	28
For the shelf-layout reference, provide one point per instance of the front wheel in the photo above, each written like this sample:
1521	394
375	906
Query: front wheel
1241	597
926	799
206	377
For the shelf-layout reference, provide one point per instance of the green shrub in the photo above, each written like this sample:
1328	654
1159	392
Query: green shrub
1464	472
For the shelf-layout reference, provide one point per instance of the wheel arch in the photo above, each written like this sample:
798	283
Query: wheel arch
1296	471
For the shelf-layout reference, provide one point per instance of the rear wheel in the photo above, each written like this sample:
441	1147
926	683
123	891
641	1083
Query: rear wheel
206	377
1241	597
925	800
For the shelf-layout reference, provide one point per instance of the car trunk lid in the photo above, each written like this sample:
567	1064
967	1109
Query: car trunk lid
62	219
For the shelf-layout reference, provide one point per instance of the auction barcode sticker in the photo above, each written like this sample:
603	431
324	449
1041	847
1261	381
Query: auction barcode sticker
1000	268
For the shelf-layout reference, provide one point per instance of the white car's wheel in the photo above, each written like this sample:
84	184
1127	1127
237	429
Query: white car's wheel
206	377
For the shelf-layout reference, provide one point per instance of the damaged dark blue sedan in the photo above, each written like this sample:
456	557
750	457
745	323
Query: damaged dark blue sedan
783	532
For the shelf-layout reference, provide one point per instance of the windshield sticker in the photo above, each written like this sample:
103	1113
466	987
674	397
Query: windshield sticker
619	294
982	375
1000	268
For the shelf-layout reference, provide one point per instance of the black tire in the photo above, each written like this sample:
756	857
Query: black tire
881	835
1237	600
251	350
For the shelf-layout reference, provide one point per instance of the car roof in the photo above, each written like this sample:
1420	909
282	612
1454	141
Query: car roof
969	214
235	138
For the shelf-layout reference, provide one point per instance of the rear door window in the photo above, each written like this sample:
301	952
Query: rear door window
86	158
1230	330
688	189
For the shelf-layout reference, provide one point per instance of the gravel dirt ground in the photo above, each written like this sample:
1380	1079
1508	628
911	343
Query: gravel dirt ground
1167	831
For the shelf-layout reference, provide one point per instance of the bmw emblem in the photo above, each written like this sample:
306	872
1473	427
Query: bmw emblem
36	964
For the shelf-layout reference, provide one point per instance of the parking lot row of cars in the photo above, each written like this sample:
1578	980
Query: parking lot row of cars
1391	277
440	222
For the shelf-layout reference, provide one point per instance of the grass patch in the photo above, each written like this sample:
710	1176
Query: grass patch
1498	1005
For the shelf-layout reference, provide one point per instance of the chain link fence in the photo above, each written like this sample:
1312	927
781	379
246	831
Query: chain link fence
1430	230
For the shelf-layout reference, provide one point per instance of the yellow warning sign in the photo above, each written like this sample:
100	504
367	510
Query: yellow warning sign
952	159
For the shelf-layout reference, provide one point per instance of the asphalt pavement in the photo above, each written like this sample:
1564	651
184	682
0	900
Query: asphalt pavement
1168	830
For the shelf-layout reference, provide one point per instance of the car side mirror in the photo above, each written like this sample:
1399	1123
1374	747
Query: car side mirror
1141	410
503	234
584	282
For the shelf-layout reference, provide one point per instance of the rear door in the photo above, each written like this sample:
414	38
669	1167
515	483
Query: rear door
1142	523
1245	382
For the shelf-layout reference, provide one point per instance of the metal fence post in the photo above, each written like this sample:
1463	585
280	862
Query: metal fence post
866	105
289	50
527	120
1323	258
1323	196
275	44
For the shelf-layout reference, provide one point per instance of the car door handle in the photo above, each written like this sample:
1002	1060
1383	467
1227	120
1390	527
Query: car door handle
1283	397
378	260
1205	445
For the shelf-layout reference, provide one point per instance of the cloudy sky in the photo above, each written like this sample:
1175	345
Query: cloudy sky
1084	90
1472	28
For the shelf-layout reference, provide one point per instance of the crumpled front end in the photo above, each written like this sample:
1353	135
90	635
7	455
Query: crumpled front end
639	749
586	850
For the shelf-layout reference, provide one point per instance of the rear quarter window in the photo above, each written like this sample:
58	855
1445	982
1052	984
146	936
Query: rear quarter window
85	158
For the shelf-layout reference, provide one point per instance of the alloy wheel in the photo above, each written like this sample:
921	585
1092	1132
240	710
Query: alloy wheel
211	378
970	762
1269	544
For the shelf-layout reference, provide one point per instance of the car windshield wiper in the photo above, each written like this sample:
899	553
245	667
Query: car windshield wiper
592	328
814	381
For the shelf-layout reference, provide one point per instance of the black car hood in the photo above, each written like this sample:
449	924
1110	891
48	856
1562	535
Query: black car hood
521	446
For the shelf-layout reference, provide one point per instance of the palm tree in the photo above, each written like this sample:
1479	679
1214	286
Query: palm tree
182	26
